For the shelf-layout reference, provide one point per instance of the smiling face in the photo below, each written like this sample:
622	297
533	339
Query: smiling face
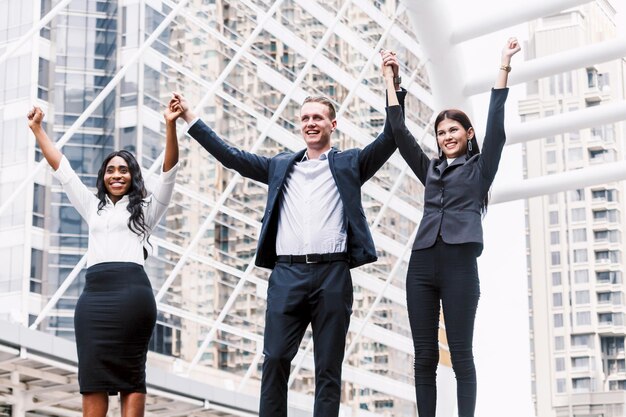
316	126
452	138
117	178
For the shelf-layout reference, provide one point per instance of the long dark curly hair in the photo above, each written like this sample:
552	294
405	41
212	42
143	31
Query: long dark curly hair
136	193
459	116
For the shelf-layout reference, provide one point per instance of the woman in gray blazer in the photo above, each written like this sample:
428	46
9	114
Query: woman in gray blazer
449	239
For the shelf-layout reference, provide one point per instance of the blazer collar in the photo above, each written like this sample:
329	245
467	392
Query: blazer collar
442	165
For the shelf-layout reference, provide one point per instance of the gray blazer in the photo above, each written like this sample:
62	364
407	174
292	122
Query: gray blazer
454	194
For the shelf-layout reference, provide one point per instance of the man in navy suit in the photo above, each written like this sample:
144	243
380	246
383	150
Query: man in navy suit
313	231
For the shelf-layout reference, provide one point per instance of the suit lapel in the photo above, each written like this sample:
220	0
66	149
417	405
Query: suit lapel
458	161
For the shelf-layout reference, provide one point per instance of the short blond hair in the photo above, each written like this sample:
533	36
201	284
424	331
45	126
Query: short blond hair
325	101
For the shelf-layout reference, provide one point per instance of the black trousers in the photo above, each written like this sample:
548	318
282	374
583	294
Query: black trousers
447	273
299	294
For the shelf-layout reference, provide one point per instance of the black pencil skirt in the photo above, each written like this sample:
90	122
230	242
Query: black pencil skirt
114	319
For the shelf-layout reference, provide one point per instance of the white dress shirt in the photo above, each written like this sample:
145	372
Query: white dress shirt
110	239
311	211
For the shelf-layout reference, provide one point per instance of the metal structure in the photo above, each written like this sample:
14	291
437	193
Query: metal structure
37	370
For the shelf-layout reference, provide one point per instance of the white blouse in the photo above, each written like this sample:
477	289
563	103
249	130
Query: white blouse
110	239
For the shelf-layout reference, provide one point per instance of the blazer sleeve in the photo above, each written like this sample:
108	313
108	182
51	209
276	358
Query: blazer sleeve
494	135
412	153
374	155
247	164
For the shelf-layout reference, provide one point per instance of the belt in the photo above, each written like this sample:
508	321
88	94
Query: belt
313	258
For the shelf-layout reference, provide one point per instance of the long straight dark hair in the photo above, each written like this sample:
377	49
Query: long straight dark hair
460	117
136	193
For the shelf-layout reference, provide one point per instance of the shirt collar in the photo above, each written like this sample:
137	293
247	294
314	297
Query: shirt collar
124	199
323	157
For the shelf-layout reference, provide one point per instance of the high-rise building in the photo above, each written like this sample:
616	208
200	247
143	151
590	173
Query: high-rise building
575	239
248	65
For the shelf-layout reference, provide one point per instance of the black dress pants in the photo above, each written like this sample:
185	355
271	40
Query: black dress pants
448	273
299	294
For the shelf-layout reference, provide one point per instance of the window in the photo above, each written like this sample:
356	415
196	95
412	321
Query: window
581	384
36	270
43	79
582	297
592	77
559	343
560	385
583	318
559	364
578	214
582	341
558	320
557	299
577	195
554	218
580	255
604	195
555	258
604	297
581	276
612	346
579	235
608	256
550	157
613	319
579	364
555	238
616	366
609	277
556	278
613	236
39	199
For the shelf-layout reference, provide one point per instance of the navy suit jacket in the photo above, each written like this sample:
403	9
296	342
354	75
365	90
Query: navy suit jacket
454	194
350	169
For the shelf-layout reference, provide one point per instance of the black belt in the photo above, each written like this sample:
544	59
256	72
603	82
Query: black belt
313	258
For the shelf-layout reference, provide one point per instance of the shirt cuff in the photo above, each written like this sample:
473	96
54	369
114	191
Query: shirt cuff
193	122
169	176
64	172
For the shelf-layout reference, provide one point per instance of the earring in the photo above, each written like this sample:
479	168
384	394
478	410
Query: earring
469	145
440	153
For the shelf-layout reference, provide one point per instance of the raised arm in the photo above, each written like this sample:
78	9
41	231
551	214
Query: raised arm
495	136
407	145
79	195
375	154
510	48
247	164
50	152
172	112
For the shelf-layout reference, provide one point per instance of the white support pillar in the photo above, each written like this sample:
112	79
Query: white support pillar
563	181
447	77
509	14
553	64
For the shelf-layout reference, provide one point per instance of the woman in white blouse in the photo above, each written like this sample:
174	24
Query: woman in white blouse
116	312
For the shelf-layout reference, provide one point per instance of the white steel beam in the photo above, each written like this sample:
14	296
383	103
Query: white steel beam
567	122
562	181
572	59
508	14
